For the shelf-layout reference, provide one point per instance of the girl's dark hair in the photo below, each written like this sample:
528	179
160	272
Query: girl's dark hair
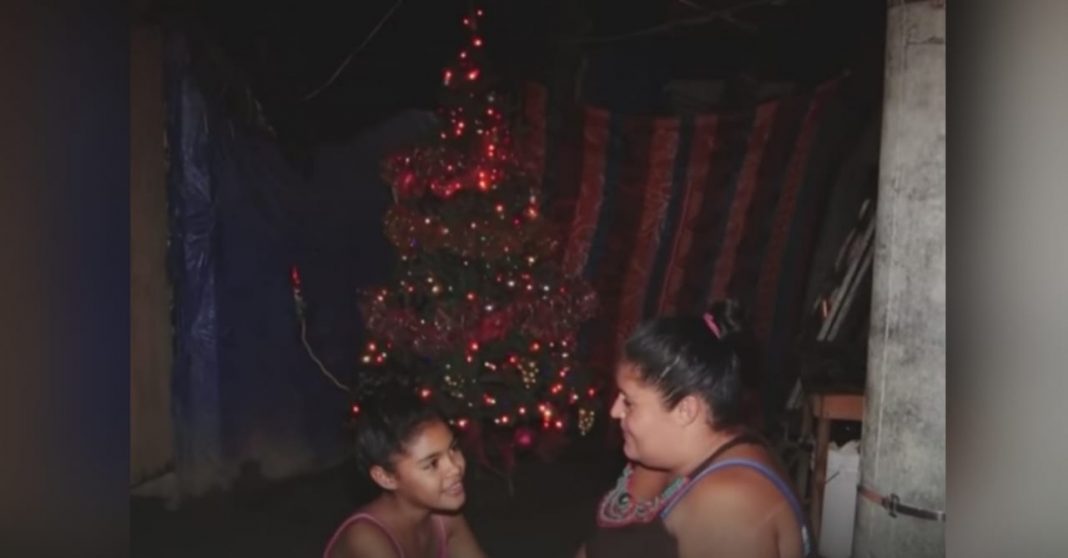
682	355
389	415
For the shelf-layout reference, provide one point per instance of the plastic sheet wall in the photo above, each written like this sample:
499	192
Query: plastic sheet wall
246	396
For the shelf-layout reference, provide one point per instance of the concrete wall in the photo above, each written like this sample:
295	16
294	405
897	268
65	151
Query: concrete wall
151	433
904	432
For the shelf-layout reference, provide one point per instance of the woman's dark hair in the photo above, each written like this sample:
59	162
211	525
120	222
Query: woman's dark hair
389	415
682	355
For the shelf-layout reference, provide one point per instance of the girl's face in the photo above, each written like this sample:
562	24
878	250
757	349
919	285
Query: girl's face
650	429
430	470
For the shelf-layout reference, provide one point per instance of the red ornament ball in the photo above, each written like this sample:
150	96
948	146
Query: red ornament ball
524	437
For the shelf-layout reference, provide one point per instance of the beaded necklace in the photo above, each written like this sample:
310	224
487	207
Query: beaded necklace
619	508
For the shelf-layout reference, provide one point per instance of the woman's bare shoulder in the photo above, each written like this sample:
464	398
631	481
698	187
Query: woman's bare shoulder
735	493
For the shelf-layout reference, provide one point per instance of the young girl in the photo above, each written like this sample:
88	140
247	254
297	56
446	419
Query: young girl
412	455
719	490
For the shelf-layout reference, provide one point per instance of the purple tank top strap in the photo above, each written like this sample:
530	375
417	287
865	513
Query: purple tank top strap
360	517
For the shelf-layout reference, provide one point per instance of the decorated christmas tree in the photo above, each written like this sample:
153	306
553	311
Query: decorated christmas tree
479	311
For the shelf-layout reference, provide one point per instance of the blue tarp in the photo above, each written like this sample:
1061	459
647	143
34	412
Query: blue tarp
244	389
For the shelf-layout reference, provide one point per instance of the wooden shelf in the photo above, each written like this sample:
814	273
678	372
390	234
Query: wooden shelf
826	407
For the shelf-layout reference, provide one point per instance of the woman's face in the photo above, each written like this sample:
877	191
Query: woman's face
649	427
430	471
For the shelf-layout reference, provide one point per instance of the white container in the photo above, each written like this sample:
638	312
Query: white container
839	500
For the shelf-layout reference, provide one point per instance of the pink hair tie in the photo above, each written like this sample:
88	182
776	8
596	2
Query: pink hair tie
711	323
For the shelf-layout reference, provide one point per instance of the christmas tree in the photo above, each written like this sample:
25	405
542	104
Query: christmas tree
480	312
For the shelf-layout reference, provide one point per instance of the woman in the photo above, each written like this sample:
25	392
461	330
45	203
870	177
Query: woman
413	456
679	408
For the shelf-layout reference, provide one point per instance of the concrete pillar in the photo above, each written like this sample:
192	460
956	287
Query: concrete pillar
904	437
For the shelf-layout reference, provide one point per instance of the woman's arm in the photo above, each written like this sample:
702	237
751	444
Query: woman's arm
461	540
581	552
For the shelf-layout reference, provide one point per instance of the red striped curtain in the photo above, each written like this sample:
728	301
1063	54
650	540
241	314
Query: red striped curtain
664	215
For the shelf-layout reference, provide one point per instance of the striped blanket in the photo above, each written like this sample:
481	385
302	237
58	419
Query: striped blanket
665	214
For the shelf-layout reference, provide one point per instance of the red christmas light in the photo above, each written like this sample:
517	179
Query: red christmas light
294	278
499	235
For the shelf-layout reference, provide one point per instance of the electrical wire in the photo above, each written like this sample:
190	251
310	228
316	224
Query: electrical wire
359	47
725	14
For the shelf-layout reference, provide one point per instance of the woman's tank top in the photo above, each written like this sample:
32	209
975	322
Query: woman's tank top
648	537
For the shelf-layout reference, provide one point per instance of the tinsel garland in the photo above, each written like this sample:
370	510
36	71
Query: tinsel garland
489	239
548	316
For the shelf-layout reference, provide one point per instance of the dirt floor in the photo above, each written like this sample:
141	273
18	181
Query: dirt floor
550	512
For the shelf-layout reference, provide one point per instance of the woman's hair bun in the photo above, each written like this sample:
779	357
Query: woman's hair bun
729	317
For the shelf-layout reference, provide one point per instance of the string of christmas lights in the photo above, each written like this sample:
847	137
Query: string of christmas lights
480	310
